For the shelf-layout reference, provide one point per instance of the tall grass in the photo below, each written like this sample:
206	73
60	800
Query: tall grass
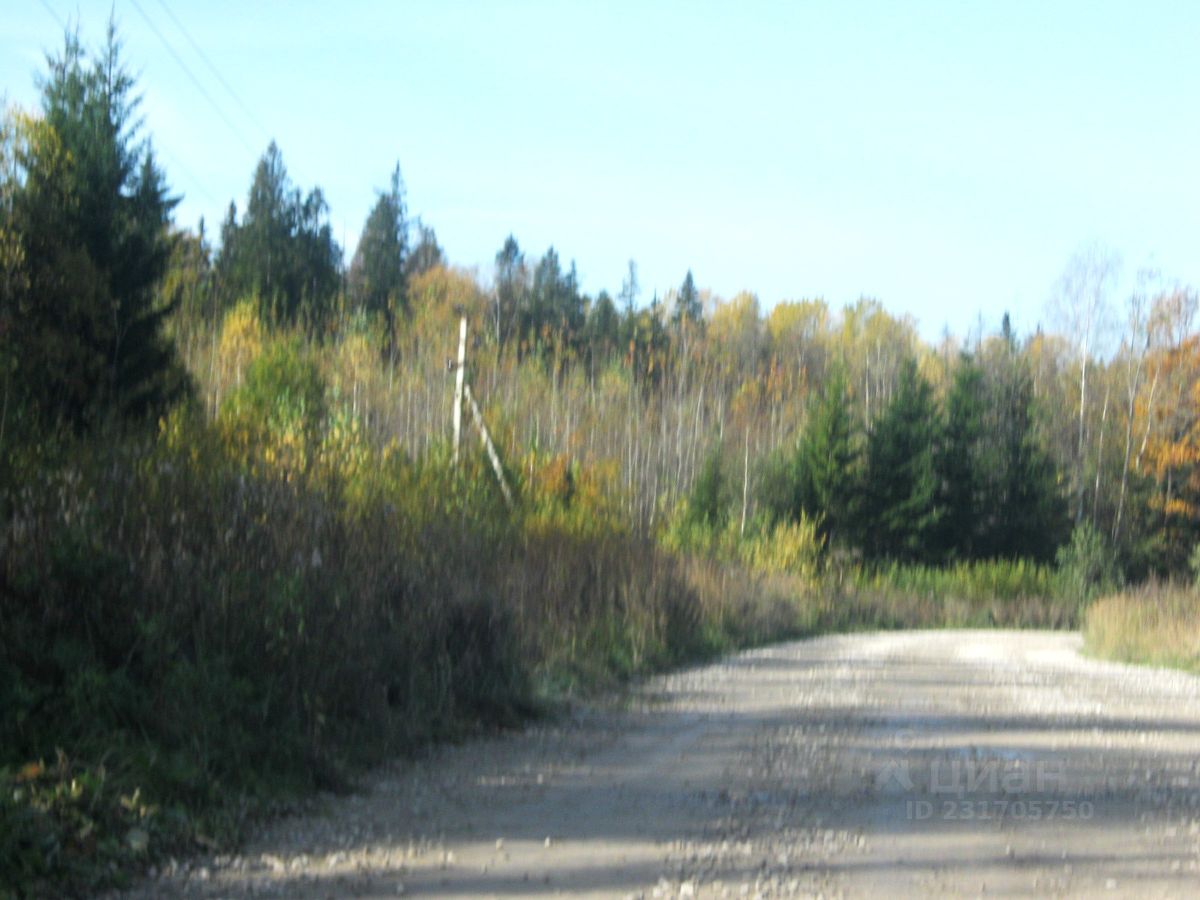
1157	624
997	593
195	624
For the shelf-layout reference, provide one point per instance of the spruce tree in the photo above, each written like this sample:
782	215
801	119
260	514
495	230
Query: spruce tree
687	303
1029	507
825	470
512	279
376	279
282	251
91	213
962	482
900	497
426	254
709	500
601	330
553	304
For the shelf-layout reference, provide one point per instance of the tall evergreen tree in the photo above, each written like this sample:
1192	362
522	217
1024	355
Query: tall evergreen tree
601	330
825	471
426	255
376	280
1029	509
188	282
512	279
900	495
91	211
962	482
283	251
630	289
708	503
687	303
553	305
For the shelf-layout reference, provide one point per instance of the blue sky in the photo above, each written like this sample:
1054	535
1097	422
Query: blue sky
944	158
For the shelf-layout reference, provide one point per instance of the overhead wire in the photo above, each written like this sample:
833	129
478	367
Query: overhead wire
178	164
195	81
212	67
191	176
46	6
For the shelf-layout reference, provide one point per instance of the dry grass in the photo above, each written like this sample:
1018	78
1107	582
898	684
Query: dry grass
1158	624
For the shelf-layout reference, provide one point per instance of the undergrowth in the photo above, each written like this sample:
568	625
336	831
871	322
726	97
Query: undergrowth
200	624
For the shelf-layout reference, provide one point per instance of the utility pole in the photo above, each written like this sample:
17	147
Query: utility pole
461	390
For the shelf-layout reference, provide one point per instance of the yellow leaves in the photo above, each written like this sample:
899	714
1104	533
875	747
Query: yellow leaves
1176	506
438	297
566	495
241	341
1170	419
733	321
344	450
33	158
29	149
734	333
357	359
790	548
793	324
748	399
554	478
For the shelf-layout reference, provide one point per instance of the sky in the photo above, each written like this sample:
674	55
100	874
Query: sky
946	159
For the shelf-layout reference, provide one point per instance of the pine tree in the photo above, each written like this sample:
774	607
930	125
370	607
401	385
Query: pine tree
376	280
900	502
92	212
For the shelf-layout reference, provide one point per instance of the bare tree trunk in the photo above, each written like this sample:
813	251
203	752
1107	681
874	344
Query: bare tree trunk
1133	382
1149	419
1100	458
745	484
1083	359
1082	299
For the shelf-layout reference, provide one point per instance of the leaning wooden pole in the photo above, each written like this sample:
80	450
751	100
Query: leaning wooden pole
488	445
459	375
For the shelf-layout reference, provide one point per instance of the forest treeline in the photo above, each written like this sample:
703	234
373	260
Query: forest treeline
994	446
990	447
236	557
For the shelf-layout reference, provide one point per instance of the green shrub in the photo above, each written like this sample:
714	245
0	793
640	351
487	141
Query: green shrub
1086	564
1194	566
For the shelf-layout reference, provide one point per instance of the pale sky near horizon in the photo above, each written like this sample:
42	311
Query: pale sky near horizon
944	158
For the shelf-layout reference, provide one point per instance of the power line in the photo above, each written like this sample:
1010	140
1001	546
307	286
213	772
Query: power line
220	112
46	6
191	176
176	162
211	67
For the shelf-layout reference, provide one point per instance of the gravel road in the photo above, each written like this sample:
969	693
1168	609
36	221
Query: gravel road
902	764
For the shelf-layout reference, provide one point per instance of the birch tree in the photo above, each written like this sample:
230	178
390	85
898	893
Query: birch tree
1081	305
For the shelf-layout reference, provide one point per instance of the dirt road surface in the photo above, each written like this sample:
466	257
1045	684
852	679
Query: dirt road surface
906	764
